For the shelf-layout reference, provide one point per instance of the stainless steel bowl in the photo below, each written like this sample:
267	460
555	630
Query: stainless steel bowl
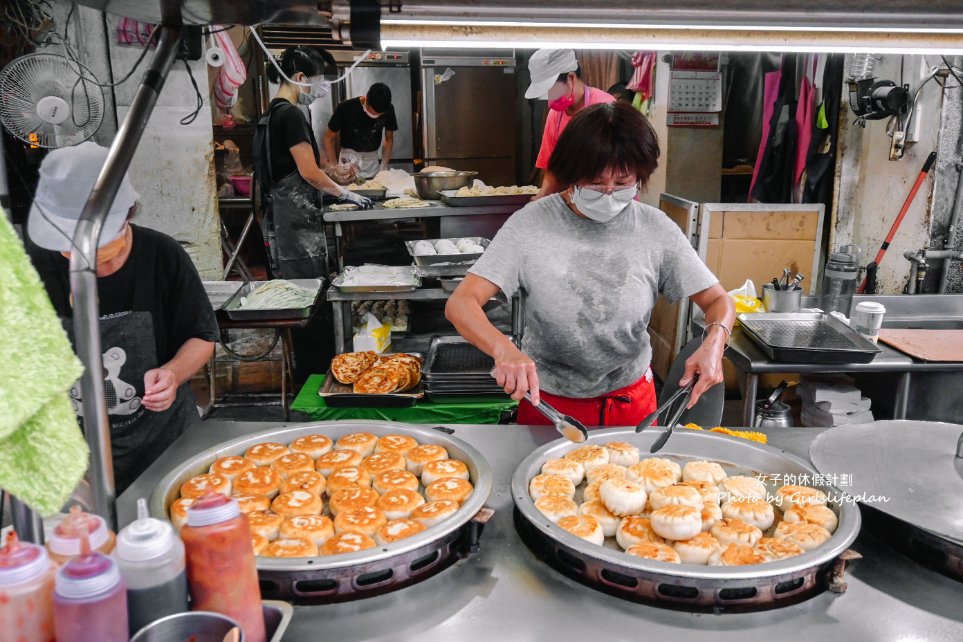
200	626
430	184
685	586
376	570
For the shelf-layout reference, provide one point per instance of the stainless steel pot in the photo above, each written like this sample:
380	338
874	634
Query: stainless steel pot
430	184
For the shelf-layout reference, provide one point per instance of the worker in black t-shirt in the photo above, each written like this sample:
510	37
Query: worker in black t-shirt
157	326
287	165
358	127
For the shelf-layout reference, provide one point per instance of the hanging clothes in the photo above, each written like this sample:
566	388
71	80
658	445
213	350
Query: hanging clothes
770	93
772	181
821	158
805	113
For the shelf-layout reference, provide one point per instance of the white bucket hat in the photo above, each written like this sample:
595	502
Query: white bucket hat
67	177
545	66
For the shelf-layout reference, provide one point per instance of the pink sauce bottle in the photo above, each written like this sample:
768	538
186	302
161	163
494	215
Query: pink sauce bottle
64	541
221	572
26	592
90	599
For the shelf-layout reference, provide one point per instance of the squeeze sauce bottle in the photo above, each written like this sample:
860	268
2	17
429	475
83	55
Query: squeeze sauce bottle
90	599
151	560
221	572
64	541
26	592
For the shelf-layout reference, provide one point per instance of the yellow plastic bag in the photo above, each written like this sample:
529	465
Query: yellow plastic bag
745	299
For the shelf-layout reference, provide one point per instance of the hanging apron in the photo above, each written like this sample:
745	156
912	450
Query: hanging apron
623	407
293	225
367	162
137	435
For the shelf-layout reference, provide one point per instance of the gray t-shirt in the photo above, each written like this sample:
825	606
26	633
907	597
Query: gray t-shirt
590	288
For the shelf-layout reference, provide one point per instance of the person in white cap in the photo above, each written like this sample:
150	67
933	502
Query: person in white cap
556	77
157	326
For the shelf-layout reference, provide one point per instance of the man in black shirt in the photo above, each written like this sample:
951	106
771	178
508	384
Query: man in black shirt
157	326
358	125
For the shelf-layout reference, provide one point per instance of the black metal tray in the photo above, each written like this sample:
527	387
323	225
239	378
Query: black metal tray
452	358
448	198
807	337
230	309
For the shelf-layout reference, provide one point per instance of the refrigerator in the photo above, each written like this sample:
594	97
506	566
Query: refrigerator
468	106
393	68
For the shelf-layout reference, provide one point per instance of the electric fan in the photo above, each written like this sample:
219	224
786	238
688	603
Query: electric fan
49	101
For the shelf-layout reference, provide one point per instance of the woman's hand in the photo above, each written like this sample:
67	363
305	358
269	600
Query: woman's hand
706	361
516	373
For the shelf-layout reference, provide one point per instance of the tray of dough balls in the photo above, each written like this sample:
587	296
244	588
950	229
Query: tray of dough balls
707	507
326	497
466	249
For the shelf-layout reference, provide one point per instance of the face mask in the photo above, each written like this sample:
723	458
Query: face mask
110	251
563	102
312	93
599	207
368	113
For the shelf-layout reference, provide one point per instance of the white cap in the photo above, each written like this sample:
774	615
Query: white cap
545	66
67	177
146	538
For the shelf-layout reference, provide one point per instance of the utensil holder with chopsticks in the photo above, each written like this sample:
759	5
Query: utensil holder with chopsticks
781	300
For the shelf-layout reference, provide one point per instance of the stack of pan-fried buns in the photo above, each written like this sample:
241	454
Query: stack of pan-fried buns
316	496
692	512
369	373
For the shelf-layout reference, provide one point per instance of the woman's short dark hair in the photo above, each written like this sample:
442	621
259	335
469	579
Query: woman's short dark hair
379	97
308	61
603	136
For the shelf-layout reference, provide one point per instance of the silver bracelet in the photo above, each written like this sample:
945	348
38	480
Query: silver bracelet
705	331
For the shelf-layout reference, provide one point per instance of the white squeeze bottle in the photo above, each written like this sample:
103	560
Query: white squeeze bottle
151	560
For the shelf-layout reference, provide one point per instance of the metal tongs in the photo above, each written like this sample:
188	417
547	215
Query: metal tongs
566	425
685	393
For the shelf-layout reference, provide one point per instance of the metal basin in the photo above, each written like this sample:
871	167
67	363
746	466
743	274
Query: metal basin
430	184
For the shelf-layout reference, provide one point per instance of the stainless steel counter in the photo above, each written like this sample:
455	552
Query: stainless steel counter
434	209
505	593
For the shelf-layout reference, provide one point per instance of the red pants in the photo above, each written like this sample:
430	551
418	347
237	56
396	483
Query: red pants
624	407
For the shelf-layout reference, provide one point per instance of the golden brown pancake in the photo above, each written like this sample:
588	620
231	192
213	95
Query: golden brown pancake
197	487
264	454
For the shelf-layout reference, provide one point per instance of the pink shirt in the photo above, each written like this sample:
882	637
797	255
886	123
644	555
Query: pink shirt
557	120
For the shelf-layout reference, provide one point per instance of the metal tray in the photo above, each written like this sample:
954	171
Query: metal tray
231	307
220	292
448	198
450	285
454	359
807	337
277	617
339	281
339	395
365	573
435	259
374	194
688	587
464	397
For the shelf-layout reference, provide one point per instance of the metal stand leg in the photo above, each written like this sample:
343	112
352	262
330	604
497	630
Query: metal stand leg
901	402
233	252
211	377
27	523
339	244
749	400
342	319
287	370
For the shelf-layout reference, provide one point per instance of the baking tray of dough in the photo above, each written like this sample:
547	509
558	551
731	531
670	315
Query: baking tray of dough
374	194
220	292
319	580
448	198
681	586
231	308
807	337
435	259
398	279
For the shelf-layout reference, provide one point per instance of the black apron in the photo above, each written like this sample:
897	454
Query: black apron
137	435
293	225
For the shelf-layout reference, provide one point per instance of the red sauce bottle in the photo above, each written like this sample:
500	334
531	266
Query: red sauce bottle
26	592
221	571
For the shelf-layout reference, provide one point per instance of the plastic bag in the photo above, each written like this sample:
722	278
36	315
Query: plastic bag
745	298
373	335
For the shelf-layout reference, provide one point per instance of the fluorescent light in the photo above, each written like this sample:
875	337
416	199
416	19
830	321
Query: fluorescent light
656	27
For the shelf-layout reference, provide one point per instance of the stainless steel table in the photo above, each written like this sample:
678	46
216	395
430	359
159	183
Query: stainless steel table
505	593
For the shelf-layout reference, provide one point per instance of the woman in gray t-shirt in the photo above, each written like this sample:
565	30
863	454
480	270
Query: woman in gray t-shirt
592	262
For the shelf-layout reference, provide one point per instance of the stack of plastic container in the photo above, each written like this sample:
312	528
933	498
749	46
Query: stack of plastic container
832	401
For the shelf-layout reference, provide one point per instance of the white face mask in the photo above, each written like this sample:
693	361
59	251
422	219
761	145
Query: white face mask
600	207
319	88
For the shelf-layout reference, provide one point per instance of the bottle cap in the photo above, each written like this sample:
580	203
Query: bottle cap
65	538
842	257
145	538
87	575
212	508
21	562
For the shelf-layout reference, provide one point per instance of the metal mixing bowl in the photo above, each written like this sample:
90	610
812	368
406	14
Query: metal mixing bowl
430	184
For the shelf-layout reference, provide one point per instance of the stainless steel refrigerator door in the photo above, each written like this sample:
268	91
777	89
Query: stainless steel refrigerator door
471	114
398	80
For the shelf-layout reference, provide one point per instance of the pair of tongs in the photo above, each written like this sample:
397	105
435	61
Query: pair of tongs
685	393
566	425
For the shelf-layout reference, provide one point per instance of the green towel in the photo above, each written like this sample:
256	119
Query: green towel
43	454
